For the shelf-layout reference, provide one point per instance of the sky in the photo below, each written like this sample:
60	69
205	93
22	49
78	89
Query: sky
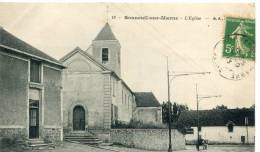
58	28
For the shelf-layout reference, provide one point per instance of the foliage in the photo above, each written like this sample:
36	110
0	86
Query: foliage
175	110
218	117
253	106
221	107
135	124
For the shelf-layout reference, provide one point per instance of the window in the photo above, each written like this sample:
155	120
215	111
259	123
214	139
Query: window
104	55
230	127
243	139
35	71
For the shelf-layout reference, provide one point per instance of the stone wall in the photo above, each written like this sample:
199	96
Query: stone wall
102	134
53	135
150	139
13	132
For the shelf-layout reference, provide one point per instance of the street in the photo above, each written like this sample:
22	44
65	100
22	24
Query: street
72	147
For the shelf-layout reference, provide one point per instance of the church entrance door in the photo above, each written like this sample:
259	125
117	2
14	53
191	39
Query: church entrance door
78	118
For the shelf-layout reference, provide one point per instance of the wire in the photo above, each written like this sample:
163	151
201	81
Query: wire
166	40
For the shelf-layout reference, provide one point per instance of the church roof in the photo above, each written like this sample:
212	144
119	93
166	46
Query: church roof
146	99
106	33
84	53
12	43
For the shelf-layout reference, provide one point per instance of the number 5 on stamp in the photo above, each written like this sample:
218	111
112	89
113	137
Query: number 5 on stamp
239	41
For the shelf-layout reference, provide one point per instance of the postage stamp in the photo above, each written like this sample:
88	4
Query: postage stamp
239	38
234	54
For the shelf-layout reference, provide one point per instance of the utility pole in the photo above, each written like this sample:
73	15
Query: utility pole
176	74
169	108
198	98
246	123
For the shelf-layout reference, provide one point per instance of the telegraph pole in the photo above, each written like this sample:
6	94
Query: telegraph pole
174	75
198	98
169	108
246	123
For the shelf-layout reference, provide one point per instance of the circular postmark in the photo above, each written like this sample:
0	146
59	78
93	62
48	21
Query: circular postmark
233	67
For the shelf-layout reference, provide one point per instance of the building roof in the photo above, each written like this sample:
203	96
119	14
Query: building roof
218	117
106	33
12	43
146	99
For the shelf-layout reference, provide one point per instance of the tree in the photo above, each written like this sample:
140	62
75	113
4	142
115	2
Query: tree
221	107
253	106
176	110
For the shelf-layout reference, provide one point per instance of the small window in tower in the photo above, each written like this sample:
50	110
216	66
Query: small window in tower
104	55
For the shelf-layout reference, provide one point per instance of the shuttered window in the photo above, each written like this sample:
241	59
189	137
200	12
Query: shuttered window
35	74
104	55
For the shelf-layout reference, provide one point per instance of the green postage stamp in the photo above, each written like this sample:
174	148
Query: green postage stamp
239	39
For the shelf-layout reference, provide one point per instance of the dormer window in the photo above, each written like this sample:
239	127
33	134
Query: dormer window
35	71
104	55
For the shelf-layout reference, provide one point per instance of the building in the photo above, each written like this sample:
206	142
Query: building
30	91
227	126
94	94
148	109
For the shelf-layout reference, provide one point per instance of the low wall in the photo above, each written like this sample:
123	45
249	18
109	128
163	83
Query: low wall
103	134
53	135
149	139
13	132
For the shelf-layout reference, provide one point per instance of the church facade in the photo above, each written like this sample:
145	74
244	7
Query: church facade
94	94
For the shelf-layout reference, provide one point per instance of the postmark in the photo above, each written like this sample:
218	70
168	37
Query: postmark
234	54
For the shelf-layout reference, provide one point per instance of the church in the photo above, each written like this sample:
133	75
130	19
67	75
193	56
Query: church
94	94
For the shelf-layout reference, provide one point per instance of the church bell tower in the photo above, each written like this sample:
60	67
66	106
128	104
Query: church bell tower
106	49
